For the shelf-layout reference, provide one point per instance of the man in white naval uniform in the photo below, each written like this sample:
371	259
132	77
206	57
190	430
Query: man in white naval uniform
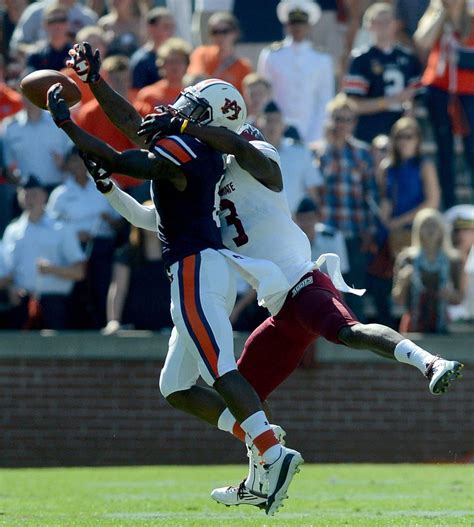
302	78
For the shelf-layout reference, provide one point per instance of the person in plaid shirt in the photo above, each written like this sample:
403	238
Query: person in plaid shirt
349	190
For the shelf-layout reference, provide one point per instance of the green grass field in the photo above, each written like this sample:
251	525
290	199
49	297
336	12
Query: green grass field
320	496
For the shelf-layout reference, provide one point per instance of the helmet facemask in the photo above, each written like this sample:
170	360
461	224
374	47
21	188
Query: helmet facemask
189	106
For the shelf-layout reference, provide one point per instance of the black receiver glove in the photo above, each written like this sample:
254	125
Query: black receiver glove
57	106
162	124
100	175
85	62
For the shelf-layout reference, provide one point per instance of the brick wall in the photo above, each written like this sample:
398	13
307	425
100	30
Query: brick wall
76	412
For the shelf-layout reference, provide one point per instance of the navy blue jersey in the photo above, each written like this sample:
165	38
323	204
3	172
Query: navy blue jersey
189	221
374	73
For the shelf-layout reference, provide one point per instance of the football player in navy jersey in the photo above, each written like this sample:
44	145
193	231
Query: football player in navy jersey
185	175
382	79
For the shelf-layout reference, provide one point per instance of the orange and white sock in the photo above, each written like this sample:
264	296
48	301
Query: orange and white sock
260	432
228	423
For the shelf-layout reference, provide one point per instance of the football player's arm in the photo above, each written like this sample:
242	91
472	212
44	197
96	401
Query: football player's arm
135	213
247	156
120	112
87	63
140	164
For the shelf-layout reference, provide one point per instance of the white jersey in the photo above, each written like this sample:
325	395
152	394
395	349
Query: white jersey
256	222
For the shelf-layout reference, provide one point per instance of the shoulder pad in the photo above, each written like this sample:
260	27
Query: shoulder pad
275	46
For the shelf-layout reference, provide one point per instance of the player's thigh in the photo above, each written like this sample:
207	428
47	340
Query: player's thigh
181	369
320	309
200	291
271	353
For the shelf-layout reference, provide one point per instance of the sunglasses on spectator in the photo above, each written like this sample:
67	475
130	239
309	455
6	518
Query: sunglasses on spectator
405	137
221	31
341	119
57	20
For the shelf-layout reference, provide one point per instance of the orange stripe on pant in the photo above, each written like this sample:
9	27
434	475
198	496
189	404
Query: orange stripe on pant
190	307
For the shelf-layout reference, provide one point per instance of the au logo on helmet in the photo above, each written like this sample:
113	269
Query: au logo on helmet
231	106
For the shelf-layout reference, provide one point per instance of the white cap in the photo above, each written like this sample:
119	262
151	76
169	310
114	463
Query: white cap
460	216
285	7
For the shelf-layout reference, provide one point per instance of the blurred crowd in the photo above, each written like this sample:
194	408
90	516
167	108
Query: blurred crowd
370	104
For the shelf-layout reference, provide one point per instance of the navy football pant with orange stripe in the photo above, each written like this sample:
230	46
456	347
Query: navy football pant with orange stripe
203	291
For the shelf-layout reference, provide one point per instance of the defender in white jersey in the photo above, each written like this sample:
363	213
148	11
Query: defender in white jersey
255	220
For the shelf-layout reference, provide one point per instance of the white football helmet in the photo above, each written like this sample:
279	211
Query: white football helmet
213	102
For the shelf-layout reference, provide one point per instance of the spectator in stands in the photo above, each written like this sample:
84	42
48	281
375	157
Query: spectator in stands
10	100
447	32
257	92
461	221
78	204
96	38
92	118
33	144
173	61
203	10
43	259
30	28
302	78
10	13
348	190
427	276
123	26
323	238
219	59
410	183
301	176
53	53
160	27
408	13
383	79
138	275
335	31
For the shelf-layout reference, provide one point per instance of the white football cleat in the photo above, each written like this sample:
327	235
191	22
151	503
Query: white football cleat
441	373
279	475
257	481
240	495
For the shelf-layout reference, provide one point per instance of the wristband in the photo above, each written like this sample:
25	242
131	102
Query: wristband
184	126
61	123
104	185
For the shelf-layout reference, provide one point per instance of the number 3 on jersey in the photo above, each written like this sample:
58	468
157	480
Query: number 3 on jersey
233	219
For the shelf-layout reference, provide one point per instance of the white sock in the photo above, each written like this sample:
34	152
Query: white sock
226	421
255	426
408	352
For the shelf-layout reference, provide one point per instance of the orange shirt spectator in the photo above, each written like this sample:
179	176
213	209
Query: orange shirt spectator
219	59
439	77
172	61
10	101
159	93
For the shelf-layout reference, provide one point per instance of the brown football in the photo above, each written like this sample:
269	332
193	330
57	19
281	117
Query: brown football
35	87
